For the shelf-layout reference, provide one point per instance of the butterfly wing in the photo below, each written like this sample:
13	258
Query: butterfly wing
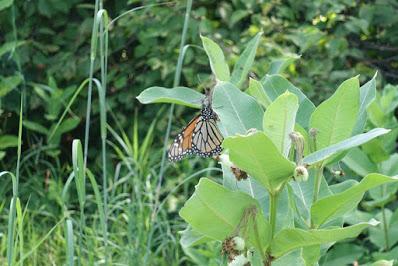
207	137
201	137
182	144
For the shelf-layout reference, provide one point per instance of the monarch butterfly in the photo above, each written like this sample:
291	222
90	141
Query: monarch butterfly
200	137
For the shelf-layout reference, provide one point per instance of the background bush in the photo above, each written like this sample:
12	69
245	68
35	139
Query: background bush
336	40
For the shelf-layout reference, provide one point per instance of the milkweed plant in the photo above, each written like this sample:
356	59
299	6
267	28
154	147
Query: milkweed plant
274	206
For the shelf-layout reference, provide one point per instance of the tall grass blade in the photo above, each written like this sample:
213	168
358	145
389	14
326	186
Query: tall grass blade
11	217
80	180
69	242
176	82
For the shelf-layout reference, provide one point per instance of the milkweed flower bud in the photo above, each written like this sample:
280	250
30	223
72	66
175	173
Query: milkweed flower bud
313	132
298	143
240	260
300	174
239	243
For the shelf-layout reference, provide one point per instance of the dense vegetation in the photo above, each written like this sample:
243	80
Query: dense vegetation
45	61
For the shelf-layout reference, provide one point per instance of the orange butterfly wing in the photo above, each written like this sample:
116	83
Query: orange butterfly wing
201	137
182	144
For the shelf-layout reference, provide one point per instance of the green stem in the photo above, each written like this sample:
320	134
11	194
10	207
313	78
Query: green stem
317	184
176	82
387	247
273	200
273	204
385	229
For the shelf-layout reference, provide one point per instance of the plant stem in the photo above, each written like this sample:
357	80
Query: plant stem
273	204
317	184
176	82
273	200
383	211
385	229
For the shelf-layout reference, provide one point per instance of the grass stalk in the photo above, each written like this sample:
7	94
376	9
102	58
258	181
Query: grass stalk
176	82
102	96
12	214
69	242
93	53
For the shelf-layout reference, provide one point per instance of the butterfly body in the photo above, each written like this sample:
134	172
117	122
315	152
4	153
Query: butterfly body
200	137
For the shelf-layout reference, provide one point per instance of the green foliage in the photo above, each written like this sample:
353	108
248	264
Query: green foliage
290	239
225	214
279	120
335	118
275	85
265	154
218	65
240	110
258	156
45	53
188	97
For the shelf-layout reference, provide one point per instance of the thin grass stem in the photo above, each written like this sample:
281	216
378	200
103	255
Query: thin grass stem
176	82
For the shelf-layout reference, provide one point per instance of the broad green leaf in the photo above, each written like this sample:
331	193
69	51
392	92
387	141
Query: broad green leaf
377	235
292	258
387	255
285	212
389	98
376	151
278	65
245	61
376	114
279	121
218	65
7	84
179	95
342	186
335	118
7	141
303	192
311	254
5	3
216	212
35	127
342	254
367	94
248	186
360	163
190	238
276	85
256	90
259	157
290	239
325	153
237	111
356	216
252	187
337	205
390	166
